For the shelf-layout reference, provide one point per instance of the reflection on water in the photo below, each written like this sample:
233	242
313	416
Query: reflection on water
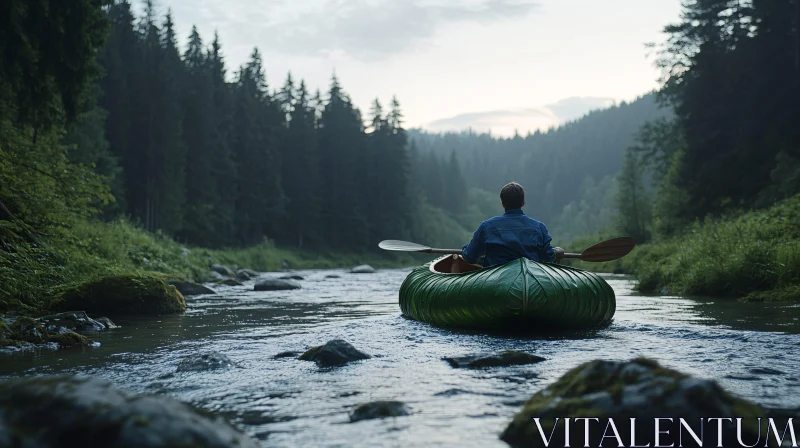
751	349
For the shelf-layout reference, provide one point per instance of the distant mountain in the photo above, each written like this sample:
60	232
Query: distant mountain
506	122
567	171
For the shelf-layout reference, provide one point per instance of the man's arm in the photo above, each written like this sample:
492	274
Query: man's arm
547	252
475	248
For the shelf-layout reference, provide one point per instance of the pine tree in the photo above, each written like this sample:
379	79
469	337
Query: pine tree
633	202
301	176
260	202
198	120
223	166
342	148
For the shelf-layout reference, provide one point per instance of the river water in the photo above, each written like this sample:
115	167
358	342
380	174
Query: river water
751	349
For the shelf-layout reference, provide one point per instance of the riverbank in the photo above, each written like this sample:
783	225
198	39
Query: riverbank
754	256
36	273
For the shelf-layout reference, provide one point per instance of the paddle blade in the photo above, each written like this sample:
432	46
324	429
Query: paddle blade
609	250
402	246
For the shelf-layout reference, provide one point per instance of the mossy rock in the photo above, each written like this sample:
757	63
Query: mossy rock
28	330
123	294
378	409
5	332
70	339
639	388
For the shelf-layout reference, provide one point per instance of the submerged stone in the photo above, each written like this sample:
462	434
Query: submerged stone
230	282
286	355
378	409
107	322
333	276
363	269
190	288
504	358
274	284
204	361
292	277
61	412
334	353
123	294
622	390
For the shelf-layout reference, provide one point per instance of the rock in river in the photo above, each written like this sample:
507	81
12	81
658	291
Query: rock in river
211	276
363	269
204	361
229	282
378	409
334	353
504	358
245	274
191	289
292	277
123	294
30	331
274	284
61	412
75	320
223	270
640	388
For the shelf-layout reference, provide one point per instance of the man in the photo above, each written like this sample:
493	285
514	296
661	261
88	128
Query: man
512	235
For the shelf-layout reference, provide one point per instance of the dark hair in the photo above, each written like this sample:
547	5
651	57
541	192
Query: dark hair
512	196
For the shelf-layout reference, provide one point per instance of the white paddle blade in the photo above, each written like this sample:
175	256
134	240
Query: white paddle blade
403	246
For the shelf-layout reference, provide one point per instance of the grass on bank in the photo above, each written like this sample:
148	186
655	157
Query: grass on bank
32	274
755	255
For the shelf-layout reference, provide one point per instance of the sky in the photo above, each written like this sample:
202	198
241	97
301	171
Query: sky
499	65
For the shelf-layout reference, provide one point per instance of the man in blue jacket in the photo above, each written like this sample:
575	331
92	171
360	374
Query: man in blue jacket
512	235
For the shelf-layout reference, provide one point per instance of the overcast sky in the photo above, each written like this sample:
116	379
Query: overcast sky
453	64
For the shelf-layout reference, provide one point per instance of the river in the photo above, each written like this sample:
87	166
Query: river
751	349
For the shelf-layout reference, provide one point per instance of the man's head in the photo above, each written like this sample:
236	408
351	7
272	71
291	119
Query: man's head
512	196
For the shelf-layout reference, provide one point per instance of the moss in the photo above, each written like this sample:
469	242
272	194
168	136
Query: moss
123	294
596	389
5	332
69	340
28	330
309	354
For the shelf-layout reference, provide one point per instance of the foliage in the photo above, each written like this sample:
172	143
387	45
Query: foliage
732	74
48	50
758	250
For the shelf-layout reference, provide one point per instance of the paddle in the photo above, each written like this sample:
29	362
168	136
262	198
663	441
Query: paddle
604	251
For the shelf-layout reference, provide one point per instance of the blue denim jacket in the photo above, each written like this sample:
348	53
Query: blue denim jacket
508	237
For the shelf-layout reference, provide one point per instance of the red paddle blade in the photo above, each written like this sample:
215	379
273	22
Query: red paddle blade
609	250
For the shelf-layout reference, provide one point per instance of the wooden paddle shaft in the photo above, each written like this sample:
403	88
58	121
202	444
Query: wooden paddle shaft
569	255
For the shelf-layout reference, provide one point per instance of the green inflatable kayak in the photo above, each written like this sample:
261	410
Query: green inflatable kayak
521	295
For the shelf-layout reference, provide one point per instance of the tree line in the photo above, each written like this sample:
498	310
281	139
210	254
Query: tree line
216	162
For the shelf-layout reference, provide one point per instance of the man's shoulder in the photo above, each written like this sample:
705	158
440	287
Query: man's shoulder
492	220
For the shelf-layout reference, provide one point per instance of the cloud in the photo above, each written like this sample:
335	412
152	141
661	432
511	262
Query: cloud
375	30
575	107
506	122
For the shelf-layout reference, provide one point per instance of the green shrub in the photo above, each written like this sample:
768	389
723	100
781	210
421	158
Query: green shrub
755	251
